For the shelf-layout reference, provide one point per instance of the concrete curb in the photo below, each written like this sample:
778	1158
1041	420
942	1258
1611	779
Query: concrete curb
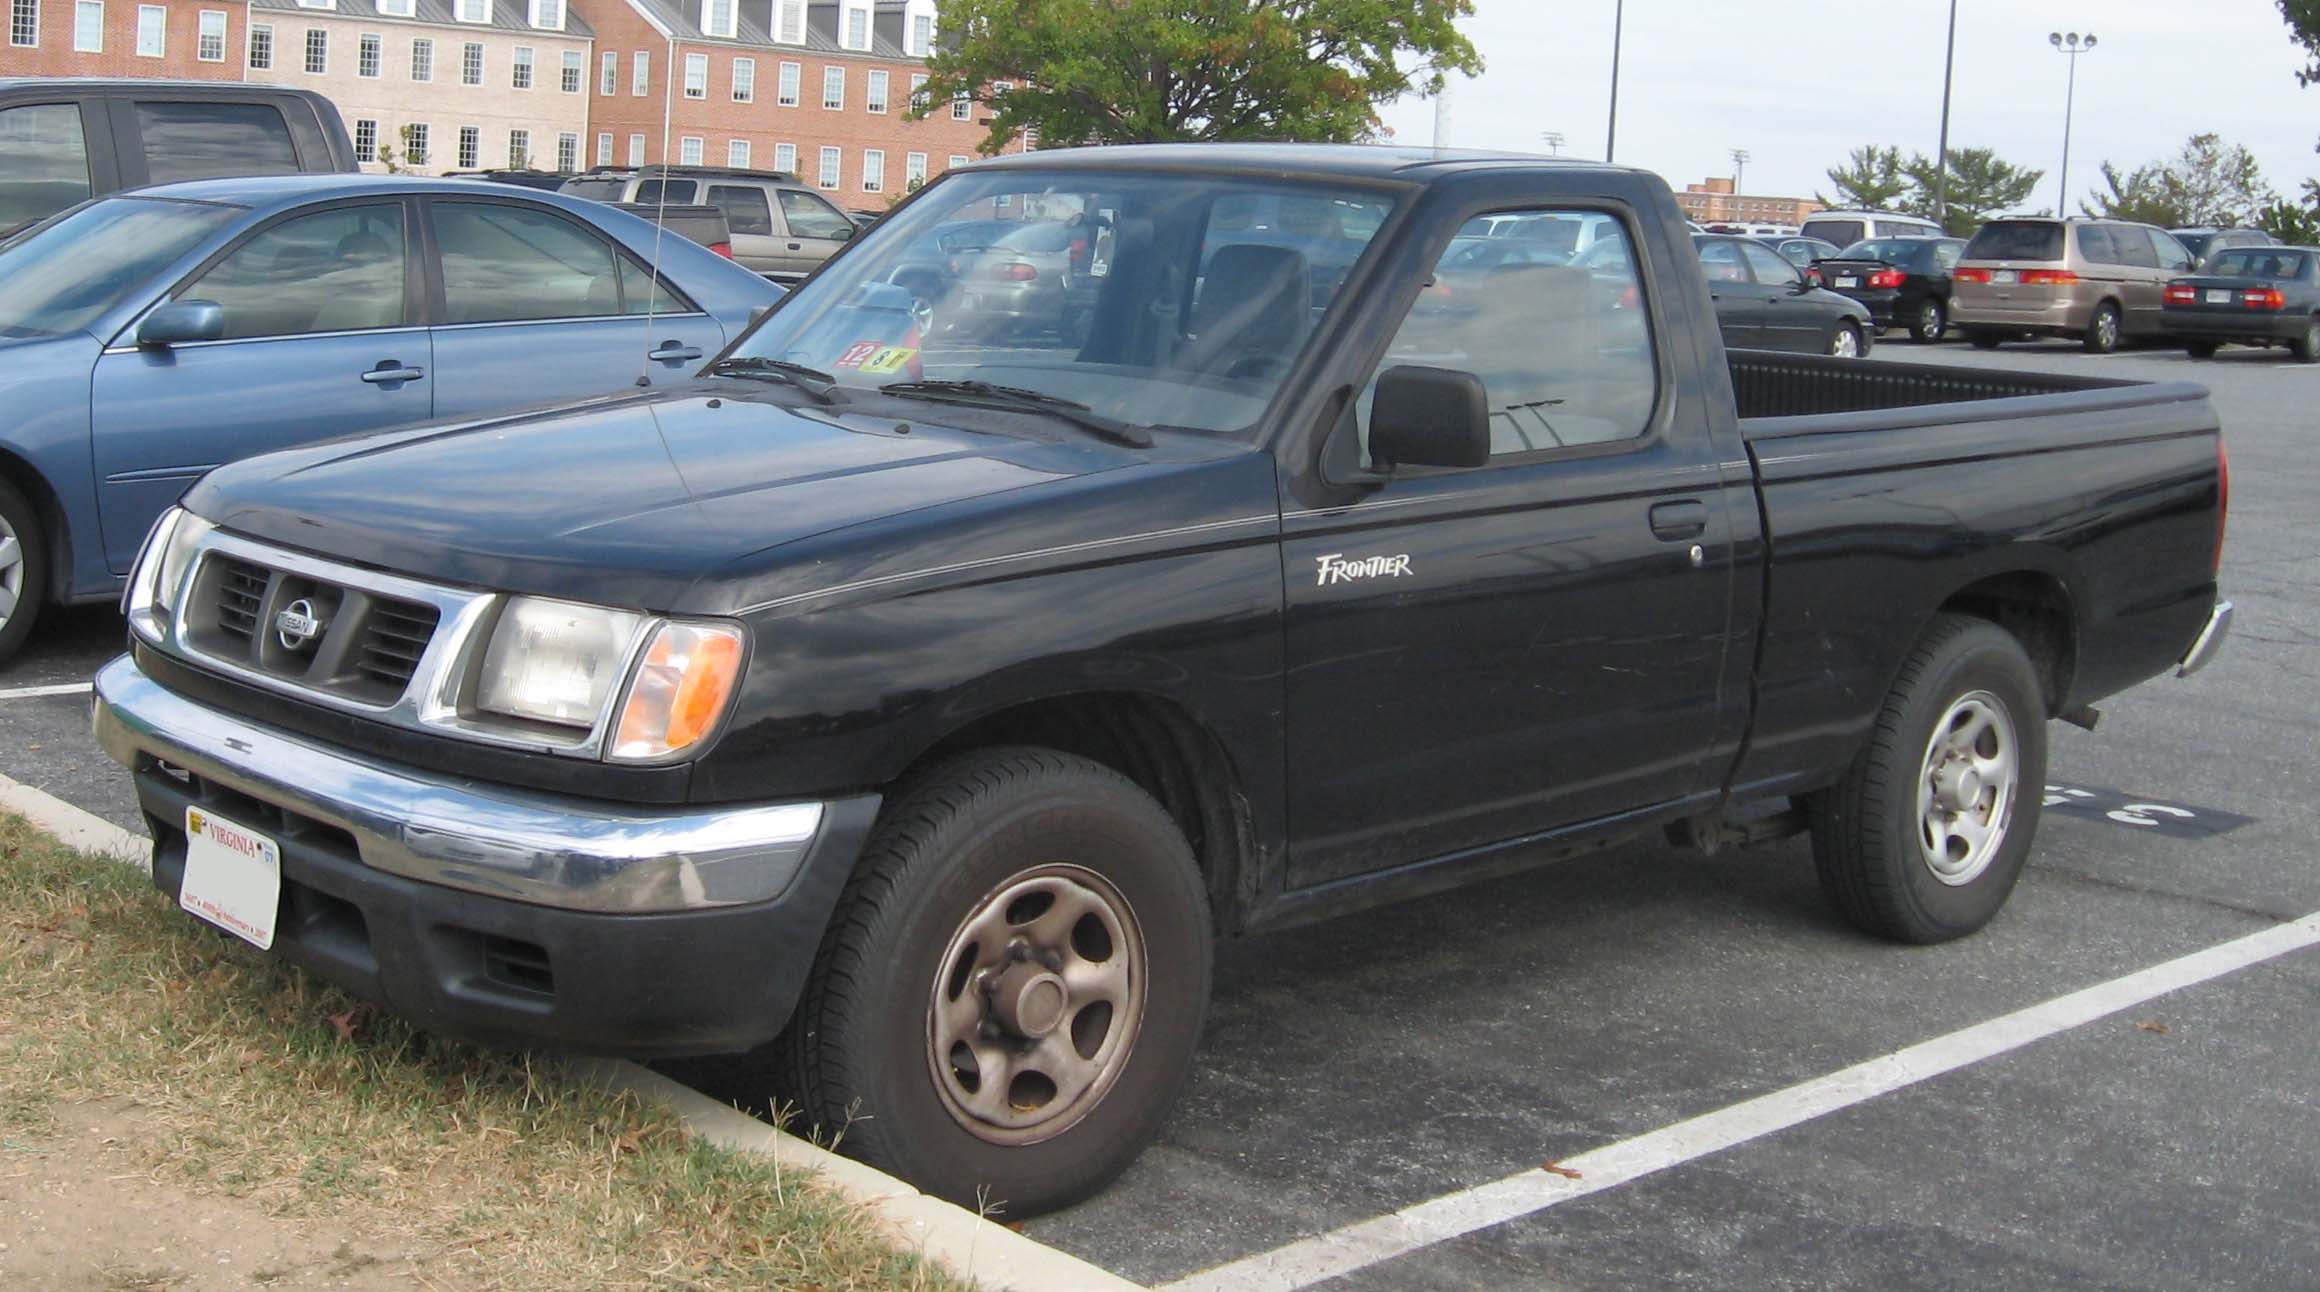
991	1254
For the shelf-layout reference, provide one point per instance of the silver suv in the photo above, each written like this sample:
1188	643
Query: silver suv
782	228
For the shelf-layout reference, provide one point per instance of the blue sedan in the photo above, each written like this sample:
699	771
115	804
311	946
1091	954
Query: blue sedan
148	336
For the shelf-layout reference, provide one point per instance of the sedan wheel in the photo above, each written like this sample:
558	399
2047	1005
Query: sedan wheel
1931	321
23	569
1845	342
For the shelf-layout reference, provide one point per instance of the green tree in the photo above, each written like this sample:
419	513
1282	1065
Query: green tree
2208	183
1981	184
2149	194
1147	71
2293	222
1871	179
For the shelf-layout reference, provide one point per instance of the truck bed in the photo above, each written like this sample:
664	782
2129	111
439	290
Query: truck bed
1767	384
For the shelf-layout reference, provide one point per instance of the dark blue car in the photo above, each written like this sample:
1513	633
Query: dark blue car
148	336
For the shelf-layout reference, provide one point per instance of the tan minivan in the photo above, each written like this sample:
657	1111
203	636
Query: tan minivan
2094	280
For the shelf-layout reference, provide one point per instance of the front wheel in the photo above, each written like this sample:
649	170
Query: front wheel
1929	322
2306	347
23	569
2102	331
1924	838
1847	342
1008	999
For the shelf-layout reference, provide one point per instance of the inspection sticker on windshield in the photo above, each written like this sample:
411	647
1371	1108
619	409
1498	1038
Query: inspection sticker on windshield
233	877
876	357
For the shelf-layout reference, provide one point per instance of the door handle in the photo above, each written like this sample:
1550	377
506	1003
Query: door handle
675	352
389	372
1677	521
797	246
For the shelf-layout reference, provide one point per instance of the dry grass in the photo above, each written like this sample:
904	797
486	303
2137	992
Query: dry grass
267	1085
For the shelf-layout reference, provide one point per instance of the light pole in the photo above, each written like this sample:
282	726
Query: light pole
1611	135
1553	139
1739	168
1941	153
2073	45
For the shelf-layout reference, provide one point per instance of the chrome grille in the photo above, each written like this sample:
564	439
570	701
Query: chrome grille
241	590
394	635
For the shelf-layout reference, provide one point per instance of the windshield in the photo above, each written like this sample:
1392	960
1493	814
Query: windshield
2256	262
595	190
1841	232
1893	251
61	276
2017	240
1155	299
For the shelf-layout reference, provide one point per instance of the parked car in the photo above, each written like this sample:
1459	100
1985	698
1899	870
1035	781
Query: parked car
1571	235
1801	251
1845	228
1765	303
148	336
2267	295
1904	282
2094	280
781	228
702	224
66	139
2204	242
922	731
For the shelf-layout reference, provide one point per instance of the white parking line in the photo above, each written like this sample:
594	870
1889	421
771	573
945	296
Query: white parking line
61	688
1326	1256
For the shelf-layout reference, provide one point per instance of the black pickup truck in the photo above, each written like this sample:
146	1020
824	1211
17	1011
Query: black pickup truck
908	715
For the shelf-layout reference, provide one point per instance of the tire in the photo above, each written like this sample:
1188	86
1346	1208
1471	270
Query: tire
1848	342
2306	348
2200	349
1982	340
2102	331
969	850
23	569
1877	833
1929	322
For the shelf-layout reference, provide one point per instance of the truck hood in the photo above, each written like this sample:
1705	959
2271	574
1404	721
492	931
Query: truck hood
627	500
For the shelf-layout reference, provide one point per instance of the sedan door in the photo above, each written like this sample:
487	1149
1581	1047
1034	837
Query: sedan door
1741	305
322	338
536	307
1794	319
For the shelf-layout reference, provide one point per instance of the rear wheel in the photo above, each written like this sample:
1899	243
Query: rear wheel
1009	995
2306	347
2102	331
1924	838
23	569
1981	339
1930	321
1846	342
2200	349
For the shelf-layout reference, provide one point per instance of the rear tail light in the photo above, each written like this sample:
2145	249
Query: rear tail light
2048	277
2179	294
724	249
2263	298
1812	275
1973	275
1017	272
1886	278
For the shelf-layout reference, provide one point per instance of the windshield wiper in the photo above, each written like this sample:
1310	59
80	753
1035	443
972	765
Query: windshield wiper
818	386
1037	401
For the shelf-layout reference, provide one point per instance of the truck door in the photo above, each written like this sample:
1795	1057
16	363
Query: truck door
1478	655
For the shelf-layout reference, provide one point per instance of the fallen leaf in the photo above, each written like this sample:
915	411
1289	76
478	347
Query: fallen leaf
345	1023
2151	1025
1557	1168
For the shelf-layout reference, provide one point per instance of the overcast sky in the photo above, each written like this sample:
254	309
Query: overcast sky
1799	83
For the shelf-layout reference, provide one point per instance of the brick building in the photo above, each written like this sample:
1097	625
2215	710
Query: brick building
479	83
198	39
818	87
1715	202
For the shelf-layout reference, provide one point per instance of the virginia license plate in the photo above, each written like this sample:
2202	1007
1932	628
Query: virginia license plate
2003	276
1847	280
2219	296
233	877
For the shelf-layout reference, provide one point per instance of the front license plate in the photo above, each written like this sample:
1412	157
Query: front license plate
1846	280
2003	276
2219	296
233	877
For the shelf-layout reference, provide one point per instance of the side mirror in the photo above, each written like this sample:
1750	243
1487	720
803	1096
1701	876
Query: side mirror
1429	417
182	321
1804	283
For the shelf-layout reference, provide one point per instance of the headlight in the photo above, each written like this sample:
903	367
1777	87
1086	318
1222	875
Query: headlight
679	692
556	662
158	578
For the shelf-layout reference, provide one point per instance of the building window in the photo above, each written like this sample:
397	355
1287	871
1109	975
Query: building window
793	22
209	44
857	26
956	161
785	158
522	67
873	170
1001	89
472	10
575	67
423	59
640	73
366	55
261	48
415	143
471	64
24	24
689	150
470	147
567	152
834	89
152	31
829	177
874	95
89	27
962	108
917	91
719	20
922	35
744	80
696	76
608	74
519	150
366	139
317	50
604	148
786	94
913	171
737	154
548	15
636	150
397	8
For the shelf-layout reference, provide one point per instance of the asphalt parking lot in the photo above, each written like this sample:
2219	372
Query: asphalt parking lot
1428	1051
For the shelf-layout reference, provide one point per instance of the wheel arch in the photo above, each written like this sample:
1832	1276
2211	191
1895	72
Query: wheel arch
2037	609
55	528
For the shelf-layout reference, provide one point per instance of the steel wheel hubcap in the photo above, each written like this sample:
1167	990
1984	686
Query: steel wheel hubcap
1036	1004
1966	792
11	572
1847	345
2106	327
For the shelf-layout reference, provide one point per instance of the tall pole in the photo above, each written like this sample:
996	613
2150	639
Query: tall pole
1442	115
1611	136
1941	154
1739	168
2072	45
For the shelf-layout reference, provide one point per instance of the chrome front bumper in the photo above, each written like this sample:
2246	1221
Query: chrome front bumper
571	854
2209	641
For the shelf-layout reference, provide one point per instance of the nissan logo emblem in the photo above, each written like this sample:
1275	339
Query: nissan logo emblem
297	625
